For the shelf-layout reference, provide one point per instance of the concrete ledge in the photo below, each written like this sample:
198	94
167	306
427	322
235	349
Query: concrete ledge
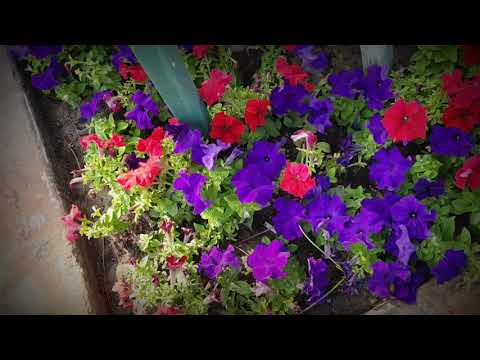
449	298
40	272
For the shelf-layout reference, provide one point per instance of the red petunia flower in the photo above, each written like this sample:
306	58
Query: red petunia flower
135	72
255	112
169	310
115	141
213	89
226	128
174	121
293	73
143	176
153	144
289	48
296	180
469	174
463	118
199	51
405	121
174	264
452	83
71	223
309	86
85	141
471	54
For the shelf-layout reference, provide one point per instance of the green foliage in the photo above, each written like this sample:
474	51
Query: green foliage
235	100
266	75
364	259
425	166
364	138
352	197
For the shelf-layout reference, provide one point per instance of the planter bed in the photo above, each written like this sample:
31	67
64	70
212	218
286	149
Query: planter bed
172	250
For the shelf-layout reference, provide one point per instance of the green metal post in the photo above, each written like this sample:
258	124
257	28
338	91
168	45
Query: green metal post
377	54
166	69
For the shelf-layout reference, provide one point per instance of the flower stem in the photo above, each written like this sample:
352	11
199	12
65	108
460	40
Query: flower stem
324	296
319	249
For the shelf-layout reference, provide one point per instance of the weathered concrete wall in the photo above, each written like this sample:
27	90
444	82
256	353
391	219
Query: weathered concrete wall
38	272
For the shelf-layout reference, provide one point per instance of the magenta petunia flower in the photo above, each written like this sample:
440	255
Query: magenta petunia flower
268	261
289	215
212	263
191	186
389	169
141	113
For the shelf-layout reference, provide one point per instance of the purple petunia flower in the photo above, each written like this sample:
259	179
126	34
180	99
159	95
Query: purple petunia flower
133	162
317	282
124	53
289	98
215	261
356	230
326	211
451	265
376	86
349	150
311	59
268	261
413	214
267	157
380	208
19	51
252	185
48	78
236	152
322	186
89	109
377	130
389	279
320	112
189	48
289	215
140	114
191	186
206	154
42	51
404	246
346	83
185	137
425	189
389	169
450	141
417	278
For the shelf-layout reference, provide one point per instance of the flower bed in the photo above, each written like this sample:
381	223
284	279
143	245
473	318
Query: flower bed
313	181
